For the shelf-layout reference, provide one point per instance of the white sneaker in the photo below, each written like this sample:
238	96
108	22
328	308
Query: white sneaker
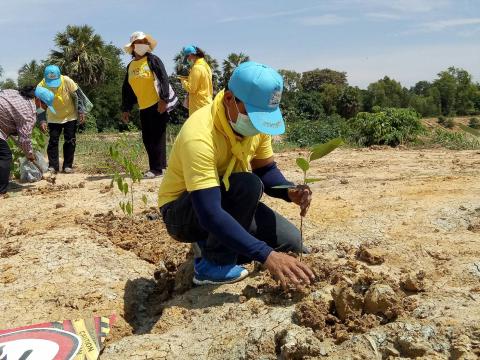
52	170
150	175
68	170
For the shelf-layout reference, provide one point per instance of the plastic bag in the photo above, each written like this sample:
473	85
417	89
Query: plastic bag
33	171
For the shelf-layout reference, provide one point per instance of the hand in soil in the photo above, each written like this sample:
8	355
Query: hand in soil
302	196
287	270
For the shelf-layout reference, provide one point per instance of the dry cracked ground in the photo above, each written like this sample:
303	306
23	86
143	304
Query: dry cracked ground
395	235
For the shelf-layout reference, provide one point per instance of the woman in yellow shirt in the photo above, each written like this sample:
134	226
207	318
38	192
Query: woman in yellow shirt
146	84
198	84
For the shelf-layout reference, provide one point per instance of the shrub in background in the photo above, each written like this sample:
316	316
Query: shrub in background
388	126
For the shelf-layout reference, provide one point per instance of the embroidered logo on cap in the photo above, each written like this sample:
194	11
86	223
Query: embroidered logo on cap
52	76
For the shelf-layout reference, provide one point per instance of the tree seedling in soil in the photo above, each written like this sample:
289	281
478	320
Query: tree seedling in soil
316	152
127	173
38	144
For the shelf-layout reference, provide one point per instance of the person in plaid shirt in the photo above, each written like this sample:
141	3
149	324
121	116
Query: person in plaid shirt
18	111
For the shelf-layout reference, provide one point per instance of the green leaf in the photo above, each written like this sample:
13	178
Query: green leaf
120	183
128	208
283	187
303	164
319	151
144	199
469	130
312	180
125	188
122	206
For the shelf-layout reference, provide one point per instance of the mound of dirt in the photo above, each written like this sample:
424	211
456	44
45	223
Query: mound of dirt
372	256
52	188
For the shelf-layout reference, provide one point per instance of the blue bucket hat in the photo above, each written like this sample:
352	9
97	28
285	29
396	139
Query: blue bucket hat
52	76
260	88
45	96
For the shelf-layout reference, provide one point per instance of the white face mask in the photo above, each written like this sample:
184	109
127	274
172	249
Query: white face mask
141	49
243	125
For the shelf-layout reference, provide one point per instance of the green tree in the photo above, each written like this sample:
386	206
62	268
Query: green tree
329	97
30	74
81	55
447	87
8	84
314	80
349	102
291	80
386	92
229	64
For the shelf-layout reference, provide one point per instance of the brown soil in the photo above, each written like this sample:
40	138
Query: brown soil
394	239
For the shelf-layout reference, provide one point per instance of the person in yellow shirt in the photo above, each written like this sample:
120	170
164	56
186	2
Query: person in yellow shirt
146	84
210	196
70	110
198	84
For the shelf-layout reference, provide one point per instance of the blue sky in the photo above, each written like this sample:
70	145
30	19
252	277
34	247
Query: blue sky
409	40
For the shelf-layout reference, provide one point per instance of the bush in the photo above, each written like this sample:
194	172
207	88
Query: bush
305	133
454	140
447	122
389	126
474	123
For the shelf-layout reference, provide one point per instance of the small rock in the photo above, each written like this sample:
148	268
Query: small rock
347	302
344	181
59	205
81	185
372	256
414	282
380	299
412	347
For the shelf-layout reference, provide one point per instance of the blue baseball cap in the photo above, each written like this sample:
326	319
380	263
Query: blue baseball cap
45	96
260	88
189	50
52	76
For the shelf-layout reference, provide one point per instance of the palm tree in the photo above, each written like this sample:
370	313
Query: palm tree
229	65
81	55
30	74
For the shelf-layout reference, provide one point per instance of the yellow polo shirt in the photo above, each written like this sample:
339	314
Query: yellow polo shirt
198	85
64	101
202	152
142	80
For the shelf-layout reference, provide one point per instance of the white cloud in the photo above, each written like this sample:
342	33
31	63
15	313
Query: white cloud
322	20
406	6
447	24
268	15
384	16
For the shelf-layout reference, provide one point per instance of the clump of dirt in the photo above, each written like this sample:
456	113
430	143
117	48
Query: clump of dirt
381	300
372	256
295	344
148	239
414	282
360	300
9	249
52	188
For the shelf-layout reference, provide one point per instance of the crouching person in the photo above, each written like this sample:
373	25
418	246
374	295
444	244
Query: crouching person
18	115
220	165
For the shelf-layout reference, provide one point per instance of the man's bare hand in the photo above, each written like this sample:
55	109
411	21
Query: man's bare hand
287	270
81	118
302	196
43	127
125	116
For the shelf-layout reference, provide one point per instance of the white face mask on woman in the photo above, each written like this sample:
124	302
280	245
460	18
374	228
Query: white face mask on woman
141	49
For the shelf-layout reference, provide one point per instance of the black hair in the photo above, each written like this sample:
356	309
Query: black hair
199	52
28	91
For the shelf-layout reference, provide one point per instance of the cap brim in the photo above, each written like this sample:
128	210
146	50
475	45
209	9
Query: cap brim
267	122
53	82
52	110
